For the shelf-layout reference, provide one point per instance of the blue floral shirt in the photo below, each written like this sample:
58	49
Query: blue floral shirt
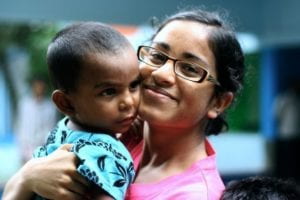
104	160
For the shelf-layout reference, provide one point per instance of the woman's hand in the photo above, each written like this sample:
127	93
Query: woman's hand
53	177
134	134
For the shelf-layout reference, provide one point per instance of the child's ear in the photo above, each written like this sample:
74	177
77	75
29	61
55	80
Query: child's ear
221	103
63	102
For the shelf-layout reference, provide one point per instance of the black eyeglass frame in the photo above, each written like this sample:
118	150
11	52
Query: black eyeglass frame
207	76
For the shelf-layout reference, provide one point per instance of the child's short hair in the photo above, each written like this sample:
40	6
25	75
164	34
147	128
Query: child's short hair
262	188
66	52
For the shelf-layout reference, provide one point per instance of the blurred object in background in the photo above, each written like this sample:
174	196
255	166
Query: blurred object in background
23	47
5	110
287	111
287	114
36	116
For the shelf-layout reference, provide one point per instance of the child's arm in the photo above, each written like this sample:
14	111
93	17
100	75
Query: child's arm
98	194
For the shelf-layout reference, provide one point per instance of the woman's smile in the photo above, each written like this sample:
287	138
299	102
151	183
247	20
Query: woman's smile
157	93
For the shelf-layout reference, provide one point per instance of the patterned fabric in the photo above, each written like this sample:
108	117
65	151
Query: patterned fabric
103	159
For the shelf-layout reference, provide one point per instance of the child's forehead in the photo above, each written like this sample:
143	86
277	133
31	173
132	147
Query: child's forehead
110	67
110	61
87	57
122	52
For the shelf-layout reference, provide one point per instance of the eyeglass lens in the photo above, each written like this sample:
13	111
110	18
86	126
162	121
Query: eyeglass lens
184	69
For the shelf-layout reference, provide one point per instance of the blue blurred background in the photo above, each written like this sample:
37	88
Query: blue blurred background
268	31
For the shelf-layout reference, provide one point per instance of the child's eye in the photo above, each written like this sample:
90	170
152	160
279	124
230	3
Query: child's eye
108	92
135	84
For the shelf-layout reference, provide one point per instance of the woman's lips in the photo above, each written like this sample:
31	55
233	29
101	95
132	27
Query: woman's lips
159	92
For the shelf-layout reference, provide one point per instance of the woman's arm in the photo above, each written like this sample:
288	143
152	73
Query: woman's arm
53	177
16	187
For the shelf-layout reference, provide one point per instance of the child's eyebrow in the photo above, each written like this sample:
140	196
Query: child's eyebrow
138	77
114	83
106	84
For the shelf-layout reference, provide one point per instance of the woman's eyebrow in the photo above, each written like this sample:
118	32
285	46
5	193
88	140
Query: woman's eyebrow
197	59
185	55
163	45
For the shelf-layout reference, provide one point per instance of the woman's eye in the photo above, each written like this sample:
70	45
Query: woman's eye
108	92
188	68
157	58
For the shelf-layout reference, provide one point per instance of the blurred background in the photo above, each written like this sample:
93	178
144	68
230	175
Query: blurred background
263	138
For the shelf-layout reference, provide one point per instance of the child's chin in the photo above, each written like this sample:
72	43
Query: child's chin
122	130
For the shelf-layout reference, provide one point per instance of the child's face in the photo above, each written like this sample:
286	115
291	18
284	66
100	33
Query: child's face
108	92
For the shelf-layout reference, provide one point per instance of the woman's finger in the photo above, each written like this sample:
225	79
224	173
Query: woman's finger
81	180
66	147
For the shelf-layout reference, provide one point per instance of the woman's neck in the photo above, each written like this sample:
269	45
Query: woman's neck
169	151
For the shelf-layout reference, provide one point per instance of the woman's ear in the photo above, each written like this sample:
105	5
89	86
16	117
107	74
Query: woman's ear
220	104
63	102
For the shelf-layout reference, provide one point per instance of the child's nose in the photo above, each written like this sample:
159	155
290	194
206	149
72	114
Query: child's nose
127	102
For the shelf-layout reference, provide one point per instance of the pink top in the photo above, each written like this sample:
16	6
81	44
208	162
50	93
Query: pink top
201	181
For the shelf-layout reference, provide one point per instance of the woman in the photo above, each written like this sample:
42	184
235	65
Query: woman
191	73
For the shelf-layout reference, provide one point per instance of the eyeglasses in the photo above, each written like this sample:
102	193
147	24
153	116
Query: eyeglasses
189	71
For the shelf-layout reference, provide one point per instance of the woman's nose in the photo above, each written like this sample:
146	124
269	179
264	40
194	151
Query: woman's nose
165	74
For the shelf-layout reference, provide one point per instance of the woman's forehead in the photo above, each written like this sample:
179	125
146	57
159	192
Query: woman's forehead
182	30
182	38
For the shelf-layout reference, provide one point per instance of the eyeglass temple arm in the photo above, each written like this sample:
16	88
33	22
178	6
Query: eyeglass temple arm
212	79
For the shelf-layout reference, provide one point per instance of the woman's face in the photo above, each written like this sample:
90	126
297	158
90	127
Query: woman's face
169	100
